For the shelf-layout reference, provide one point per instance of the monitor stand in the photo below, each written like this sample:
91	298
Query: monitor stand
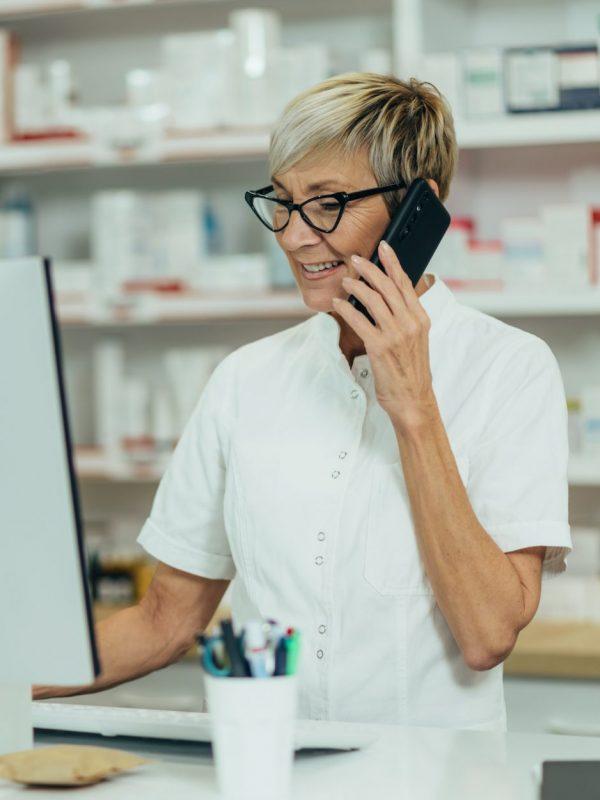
16	725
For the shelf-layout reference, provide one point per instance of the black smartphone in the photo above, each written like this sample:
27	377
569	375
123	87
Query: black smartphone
414	233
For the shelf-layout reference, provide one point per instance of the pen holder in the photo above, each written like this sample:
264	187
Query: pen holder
253	723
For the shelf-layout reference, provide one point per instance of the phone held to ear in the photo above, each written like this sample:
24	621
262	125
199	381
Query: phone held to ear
414	233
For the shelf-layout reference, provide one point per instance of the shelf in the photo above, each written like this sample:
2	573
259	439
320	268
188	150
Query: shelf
54	156
152	309
15	9
517	130
557	650
533	303
248	144
195	308
92	464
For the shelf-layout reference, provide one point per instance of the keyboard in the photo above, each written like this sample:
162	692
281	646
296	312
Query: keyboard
190	726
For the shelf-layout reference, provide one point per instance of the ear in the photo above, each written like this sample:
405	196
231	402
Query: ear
434	186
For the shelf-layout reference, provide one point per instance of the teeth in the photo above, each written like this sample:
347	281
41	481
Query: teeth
320	267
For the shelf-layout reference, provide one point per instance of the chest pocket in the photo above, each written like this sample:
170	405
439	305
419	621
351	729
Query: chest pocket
393	564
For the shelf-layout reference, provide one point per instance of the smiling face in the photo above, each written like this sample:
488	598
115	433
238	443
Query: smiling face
360	229
358	232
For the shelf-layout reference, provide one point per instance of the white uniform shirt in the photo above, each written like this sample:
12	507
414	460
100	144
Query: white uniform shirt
288	477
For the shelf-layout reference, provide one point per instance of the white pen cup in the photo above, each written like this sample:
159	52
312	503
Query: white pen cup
253	723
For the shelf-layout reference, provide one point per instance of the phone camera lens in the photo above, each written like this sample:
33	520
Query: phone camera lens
418	208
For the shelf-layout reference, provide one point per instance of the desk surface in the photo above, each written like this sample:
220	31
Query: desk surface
416	763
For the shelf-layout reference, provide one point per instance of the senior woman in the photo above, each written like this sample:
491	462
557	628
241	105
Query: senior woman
394	490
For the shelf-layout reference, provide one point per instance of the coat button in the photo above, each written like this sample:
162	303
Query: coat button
319	560
320	654
364	373
322	628
342	454
321	536
335	473
354	394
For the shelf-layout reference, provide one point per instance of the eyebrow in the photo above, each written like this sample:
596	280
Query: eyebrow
312	187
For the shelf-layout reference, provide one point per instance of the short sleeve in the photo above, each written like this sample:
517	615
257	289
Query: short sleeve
185	528
518	471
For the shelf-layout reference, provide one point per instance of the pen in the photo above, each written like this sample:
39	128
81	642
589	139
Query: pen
292	644
238	666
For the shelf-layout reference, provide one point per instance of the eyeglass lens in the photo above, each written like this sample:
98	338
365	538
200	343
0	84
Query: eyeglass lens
323	213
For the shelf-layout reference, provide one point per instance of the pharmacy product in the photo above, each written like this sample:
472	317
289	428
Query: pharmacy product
523	241
450	259
257	34
109	370
444	70
483	79
532	79
574	424
570	242
198	71
590	419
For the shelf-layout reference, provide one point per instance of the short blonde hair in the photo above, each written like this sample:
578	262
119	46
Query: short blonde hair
406	127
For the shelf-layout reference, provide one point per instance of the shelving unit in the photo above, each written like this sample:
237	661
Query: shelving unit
227	145
194	308
92	464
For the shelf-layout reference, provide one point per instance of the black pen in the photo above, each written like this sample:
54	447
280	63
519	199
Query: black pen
236	660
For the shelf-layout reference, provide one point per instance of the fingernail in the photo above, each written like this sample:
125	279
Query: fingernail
355	259
335	299
385	244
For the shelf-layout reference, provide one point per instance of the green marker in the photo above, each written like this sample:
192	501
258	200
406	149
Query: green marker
292	647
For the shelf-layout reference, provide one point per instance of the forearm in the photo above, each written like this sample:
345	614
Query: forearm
152	634
129	646
475	585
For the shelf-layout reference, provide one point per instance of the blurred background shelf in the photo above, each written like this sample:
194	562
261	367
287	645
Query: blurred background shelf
94	465
184	308
150	309
56	156
557	650
568	127
526	130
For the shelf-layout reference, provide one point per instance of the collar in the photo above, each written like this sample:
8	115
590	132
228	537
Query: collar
436	301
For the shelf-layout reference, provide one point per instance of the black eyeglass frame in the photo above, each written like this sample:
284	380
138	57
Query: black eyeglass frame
342	197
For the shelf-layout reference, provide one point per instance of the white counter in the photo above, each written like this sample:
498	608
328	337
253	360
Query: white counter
404	763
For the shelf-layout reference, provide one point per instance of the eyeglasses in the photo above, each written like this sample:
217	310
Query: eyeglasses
323	212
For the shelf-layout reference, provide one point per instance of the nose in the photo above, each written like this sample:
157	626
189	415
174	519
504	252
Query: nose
298	233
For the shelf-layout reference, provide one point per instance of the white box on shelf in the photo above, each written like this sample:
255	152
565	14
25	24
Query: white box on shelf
109	371
590	419
234	272
532	79
571	232
483	80
199	77
444	71
523	239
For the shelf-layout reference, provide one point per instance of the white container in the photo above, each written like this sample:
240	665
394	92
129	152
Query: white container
253	722
198	73
483	82
590	419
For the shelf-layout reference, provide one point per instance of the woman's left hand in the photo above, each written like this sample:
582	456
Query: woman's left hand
398	345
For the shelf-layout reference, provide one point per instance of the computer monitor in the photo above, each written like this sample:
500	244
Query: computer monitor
46	630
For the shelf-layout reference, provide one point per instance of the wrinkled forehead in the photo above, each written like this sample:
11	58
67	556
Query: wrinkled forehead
330	169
